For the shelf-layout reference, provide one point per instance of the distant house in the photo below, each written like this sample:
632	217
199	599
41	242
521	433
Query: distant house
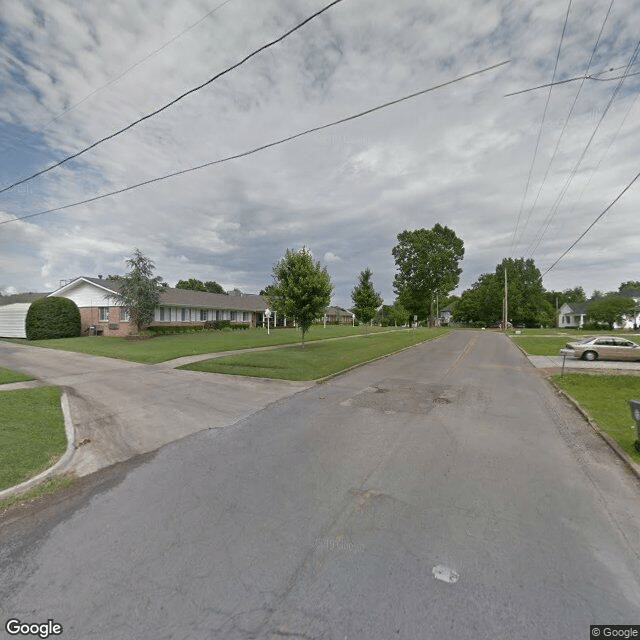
338	314
572	315
101	313
632	322
444	315
13	313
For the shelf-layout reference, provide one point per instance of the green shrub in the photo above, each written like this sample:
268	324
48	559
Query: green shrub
240	326
52	317
594	326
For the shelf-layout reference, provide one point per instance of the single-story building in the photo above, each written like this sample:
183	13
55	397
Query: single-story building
572	315
13	313
100	312
337	314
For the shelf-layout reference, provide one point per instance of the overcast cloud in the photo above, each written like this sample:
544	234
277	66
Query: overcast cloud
459	156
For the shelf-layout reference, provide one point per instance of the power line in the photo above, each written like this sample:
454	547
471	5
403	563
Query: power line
180	97
584	233
264	146
554	209
566	122
544	114
121	75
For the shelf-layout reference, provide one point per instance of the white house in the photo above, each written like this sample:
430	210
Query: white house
572	315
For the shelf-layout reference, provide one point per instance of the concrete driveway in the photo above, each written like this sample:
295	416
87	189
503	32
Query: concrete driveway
120	409
555	362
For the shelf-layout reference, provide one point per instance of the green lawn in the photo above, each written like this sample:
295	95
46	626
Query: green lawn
32	437
543	346
9	375
316	359
606	399
170	347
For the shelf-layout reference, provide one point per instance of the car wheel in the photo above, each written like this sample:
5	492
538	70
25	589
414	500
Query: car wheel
589	355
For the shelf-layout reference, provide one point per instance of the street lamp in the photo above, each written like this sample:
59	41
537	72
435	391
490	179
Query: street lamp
267	315
353	319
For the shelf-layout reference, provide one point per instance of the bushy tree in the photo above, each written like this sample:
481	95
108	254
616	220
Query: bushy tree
192	284
366	299
52	317
483	302
301	288
576	294
139	291
427	262
611	309
394	315
629	285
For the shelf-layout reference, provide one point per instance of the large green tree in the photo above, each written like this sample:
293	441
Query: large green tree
366	299
394	315
197	285
301	288
629	285
483	302
427	262
558	298
139	290
611	309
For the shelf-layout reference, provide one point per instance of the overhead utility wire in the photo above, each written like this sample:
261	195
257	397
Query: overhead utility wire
544	114
564	126
584	233
120	75
264	146
180	97
593	76
563	192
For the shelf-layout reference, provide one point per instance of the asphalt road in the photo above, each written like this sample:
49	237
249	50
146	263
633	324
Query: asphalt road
444	492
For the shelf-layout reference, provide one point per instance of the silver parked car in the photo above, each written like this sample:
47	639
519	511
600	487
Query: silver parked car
604	347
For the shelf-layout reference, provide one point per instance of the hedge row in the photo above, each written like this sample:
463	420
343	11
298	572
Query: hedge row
209	325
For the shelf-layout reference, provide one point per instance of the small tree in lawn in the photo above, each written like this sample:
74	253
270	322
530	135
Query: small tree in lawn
301	289
139	290
366	299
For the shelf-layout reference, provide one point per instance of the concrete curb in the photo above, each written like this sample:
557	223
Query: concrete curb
64	460
624	456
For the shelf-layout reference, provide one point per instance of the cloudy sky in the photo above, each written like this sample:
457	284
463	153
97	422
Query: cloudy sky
74	71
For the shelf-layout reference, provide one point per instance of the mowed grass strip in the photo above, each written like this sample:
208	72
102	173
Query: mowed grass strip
32	436
9	375
606	400
316	359
544	346
165	348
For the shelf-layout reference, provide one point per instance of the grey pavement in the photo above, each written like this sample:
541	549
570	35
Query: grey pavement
121	409
443	492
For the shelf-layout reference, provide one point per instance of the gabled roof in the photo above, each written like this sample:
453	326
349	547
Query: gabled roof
172	297
188	298
577	307
20	297
337	311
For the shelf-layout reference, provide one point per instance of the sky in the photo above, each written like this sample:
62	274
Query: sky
513	176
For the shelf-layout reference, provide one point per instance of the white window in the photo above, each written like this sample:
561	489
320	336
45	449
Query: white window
124	314
183	315
103	314
246	316
203	315
234	316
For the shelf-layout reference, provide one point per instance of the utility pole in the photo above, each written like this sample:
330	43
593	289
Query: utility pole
506	305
